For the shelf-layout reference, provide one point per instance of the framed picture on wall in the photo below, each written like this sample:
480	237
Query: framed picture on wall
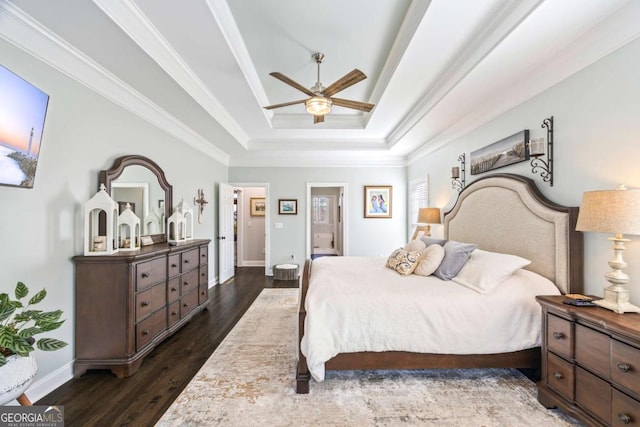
507	151
257	206
288	206
377	201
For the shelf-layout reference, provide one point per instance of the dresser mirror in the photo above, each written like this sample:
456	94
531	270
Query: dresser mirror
140	182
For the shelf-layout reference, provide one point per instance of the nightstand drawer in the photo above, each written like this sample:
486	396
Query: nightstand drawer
560	375
560	336
625	411
593	395
592	350
625	366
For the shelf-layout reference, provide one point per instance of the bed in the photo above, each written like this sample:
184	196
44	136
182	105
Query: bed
501	213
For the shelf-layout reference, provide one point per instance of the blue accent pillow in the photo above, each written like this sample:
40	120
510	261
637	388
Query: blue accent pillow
428	241
456	255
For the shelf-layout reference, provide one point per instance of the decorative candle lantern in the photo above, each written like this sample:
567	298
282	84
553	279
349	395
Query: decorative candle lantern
128	230
151	224
187	213
100	239
176	227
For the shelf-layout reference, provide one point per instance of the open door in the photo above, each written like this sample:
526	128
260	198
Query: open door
225	233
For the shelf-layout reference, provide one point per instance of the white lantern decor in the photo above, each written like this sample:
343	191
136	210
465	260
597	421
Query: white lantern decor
187	212
128	230
100	207
176	228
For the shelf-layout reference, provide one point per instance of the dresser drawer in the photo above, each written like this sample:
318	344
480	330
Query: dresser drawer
592	350
149	301
150	272
188	303
173	289
150	327
173	313
203	293
189	282
190	259
625	411
593	395
560	375
173	266
204	255
625	366
560	336
204	275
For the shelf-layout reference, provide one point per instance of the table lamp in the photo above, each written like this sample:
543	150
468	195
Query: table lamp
426	216
616	212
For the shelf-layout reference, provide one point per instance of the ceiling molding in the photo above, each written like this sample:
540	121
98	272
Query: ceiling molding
126	15
410	24
335	144
491	33
305	121
25	33
348	159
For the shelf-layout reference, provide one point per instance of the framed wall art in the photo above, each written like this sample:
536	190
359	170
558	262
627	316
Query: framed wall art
288	206
377	201
257	206
507	151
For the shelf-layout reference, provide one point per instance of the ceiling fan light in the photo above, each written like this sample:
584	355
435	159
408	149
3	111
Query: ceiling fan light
318	105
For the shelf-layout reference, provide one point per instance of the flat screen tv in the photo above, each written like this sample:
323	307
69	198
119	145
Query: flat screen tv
23	108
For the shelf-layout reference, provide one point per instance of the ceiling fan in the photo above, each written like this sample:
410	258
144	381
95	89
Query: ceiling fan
321	98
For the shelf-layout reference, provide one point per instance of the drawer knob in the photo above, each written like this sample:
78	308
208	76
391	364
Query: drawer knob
623	367
202	274
186	261
173	313
185	305
145	303
174	265
203	255
186	283
173	289
144	275
558	375
626	419
145	332
558	335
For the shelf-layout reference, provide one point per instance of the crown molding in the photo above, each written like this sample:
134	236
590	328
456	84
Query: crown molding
26	34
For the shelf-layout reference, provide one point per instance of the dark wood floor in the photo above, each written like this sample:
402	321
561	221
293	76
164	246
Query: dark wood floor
98	398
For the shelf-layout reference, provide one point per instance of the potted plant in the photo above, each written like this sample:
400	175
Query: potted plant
18	326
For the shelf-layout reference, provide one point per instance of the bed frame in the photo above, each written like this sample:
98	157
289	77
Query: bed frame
503	204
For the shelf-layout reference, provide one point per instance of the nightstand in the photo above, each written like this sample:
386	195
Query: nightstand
590	363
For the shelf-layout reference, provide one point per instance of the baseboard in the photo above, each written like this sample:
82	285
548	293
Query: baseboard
40	388
258	263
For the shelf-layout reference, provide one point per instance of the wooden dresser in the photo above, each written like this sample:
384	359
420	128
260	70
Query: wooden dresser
590	363
127	303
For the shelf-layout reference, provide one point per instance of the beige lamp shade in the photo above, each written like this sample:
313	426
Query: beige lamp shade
610	211
428	216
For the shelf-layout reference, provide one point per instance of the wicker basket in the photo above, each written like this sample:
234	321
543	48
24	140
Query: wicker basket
285	272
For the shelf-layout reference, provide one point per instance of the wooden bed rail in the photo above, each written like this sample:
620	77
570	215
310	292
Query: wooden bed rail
302	371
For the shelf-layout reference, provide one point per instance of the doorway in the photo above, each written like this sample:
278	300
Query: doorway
326	220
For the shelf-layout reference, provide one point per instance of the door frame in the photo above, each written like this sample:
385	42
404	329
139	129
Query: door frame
267	228
345	215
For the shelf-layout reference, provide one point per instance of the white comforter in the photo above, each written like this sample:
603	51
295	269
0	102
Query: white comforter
356	304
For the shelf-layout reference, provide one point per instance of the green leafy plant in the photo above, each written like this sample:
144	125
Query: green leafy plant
19	324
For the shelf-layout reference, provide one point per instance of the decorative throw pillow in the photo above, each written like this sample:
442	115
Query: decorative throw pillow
429	260
456	255
428	241
415	245
403	262
485	270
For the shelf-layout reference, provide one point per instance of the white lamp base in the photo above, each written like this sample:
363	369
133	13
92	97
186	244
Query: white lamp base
616	299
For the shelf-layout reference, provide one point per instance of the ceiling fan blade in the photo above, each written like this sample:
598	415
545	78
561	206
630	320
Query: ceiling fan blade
356	105
284	104
344	82
318	119
292	83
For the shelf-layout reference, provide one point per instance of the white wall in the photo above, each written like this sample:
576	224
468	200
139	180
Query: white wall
597	147
42	228
366	236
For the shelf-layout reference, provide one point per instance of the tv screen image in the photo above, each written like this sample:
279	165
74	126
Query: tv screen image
23	108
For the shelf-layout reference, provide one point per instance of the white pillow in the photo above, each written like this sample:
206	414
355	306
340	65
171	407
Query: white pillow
415	245
485	270
429	260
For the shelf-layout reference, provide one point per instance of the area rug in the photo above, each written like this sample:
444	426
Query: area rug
249	381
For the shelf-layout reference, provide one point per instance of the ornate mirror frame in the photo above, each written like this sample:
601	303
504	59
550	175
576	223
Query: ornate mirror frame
106	177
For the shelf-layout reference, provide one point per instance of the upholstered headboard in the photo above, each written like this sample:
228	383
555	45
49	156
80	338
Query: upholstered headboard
507	213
